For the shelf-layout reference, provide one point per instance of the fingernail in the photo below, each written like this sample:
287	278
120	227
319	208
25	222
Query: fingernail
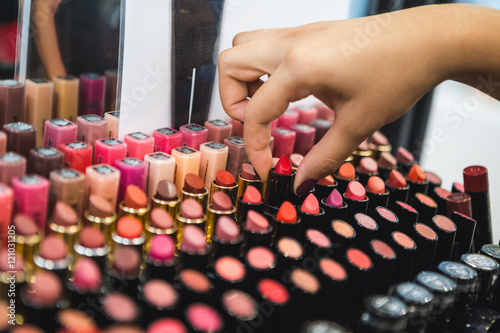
306	186
241	122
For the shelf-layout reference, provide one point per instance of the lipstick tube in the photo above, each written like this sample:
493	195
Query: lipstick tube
376	200
333	277
288	119
32	195
91	128
356	200
159	166
57	132
425	205
102	180
67	185
66	97
56	261
276	294
344	176
317	245
185	217
444	291
198	193
257	231
139	144
135	206
132	172
334	212
284	141
477	186
388	222
213	215
384	262
439	195
77	155
426	239
230	189
260	262
171	203
285	224
107	151
193	135
44	160
195	258
124	270
113	119
187	160
237	154
366	230
92	244
103	220
129	233
324	187
398	188
223	280
279	188
405	213
304	138
11	165
167	139
159	223
91	94
362	151
160	259
315	221
405	248
156	308
243	184
343	236
39	95
28	237
417	187
7	204
226	239
21	138
68	233
467	282
190	292
218	130
466	227
446	231
386	163
213	157
11	102
487	273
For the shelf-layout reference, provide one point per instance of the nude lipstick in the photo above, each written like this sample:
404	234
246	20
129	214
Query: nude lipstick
191	213
66	97
405	160
101	215
166	198
386	163
65	224
102	180
159	166
113	119
218	130
257	230
227	239
194	249
212	160
367	168
379	143
39	96
236	155
160	223
187	160
92	245
91	127
362	151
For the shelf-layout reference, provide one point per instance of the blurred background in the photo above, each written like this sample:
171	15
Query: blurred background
452	127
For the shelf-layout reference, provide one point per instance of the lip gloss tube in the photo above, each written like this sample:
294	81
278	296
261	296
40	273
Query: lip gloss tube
109	150
21	138
66	185
213	158
91	94
139	144
7	203
193	135
476	185
111	76
288	119
44	160
306	114
236	155
113	119
3	143
159	166
11	165
66	97
237	128
91	128
39	95
58	131
284	141
11	102
132	172
304	138
77	155
218	130
32	197
167	139
102	180
187	160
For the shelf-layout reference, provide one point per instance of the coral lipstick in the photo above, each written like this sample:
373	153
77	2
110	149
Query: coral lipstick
398	188
251	199
344	175
287	222
312	214
356	199
417	181
377	193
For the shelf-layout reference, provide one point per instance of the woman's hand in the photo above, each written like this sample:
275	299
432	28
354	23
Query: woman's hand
369	70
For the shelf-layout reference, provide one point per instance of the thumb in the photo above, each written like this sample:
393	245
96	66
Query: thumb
327	155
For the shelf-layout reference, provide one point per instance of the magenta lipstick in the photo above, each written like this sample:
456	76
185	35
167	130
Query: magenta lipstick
334	206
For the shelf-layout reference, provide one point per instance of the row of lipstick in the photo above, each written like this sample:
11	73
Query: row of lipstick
275	243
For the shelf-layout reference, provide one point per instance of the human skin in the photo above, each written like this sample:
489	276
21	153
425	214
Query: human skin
368	82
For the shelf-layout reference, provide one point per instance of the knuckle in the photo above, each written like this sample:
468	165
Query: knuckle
239	38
